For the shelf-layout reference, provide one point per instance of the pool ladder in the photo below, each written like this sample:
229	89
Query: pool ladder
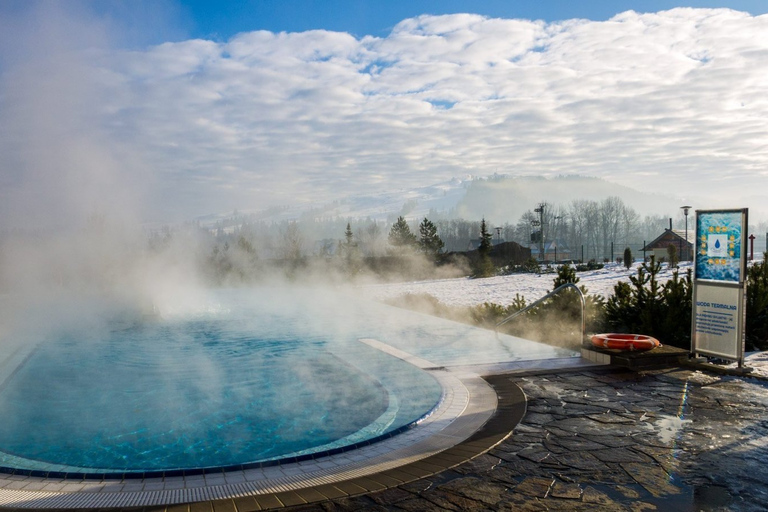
550	294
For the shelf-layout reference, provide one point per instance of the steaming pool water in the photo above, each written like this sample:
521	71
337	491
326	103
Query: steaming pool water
231	379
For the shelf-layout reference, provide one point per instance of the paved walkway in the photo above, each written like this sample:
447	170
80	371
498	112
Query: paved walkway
609	441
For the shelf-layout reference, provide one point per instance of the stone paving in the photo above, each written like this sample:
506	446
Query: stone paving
609	441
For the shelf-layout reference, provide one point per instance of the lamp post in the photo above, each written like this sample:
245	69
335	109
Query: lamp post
686	209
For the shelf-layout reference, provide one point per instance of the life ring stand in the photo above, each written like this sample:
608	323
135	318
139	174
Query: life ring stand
619	341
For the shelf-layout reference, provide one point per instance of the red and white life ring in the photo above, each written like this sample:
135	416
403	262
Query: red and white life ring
625	341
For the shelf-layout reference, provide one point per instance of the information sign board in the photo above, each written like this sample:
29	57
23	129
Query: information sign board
719	284
720	246
717	322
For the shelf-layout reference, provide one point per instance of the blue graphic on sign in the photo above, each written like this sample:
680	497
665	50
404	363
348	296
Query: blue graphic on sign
718	246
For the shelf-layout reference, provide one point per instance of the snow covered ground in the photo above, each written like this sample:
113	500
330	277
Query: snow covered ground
758	361
502	289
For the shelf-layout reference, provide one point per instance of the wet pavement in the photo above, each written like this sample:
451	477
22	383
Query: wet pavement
612	440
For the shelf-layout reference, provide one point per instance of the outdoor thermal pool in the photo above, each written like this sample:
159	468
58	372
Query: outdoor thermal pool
233	379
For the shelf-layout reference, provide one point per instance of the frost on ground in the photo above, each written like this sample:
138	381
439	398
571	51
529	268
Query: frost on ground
670	427
502	289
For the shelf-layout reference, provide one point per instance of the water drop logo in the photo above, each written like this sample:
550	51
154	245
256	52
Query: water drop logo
717	246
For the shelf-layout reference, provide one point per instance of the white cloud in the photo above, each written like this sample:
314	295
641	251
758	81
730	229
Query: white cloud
673	100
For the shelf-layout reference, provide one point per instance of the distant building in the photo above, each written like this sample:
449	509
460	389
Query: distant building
474	243
504	253
554	250
676	237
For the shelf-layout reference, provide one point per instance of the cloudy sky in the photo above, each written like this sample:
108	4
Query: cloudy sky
171	110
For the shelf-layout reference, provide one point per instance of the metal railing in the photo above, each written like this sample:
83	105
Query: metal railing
550	294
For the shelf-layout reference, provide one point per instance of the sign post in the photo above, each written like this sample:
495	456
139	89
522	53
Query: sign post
720	284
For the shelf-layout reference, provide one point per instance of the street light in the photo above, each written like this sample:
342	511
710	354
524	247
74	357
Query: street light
686	209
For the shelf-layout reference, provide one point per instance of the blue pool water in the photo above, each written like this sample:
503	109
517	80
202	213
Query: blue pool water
241	378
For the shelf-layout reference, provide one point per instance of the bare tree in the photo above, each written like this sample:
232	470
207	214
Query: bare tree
291	241
610	223
373	240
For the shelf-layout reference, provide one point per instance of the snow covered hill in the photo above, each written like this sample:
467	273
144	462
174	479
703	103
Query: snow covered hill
499	198
378	205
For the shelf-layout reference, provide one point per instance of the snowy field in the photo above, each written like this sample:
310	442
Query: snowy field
502	289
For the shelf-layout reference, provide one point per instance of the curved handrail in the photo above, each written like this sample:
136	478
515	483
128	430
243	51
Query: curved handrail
553	292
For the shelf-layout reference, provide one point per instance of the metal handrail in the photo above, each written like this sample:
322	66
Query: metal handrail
553	292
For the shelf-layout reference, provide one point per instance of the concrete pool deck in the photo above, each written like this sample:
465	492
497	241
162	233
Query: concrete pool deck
590	439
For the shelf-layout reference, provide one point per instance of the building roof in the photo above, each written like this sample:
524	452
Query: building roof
550	247
691	234
675	234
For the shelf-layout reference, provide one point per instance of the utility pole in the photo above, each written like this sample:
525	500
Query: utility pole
540	211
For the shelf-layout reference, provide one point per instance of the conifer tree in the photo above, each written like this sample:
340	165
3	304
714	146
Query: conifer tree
430	242
400	236
672	255
349	251
628	257
484	266
565	274
677	294
757	306
348	236
568	304
644	306
486	241
349	245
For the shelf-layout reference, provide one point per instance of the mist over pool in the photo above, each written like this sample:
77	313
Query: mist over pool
244	376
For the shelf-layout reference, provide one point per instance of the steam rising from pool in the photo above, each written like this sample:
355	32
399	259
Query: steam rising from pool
157	369
240	379
220	378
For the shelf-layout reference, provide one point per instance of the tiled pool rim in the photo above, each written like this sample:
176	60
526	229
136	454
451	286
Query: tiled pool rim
442	440
143	475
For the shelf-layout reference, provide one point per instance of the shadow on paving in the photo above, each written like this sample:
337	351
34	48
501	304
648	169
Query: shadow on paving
608	440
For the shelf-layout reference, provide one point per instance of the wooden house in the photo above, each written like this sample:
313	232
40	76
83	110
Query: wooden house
676	237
